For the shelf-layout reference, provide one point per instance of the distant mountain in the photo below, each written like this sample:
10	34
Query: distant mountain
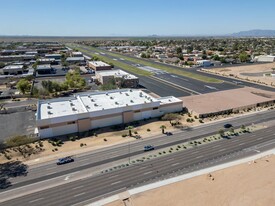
255	33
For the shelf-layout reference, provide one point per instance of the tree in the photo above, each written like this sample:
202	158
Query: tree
23	85
143	55
170	116
2	64
243	128
129	128
162	127
231	130
179	50
243	57
221	132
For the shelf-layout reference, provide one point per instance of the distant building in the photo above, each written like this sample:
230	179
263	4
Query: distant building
12	58
99	65
13	70
44	69
45	61
84	112
204	63
54	56
77	54
76	60
126	79
265	58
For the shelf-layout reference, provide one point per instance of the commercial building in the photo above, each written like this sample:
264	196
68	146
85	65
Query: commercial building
265	58
76	60
204	63
13	70
44	69
84	112
99	65
54	56
126	79
11	58
76	54
46	61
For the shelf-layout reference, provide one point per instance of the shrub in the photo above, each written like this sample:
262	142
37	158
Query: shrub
124	135
81	144
56	149
148	130
196	117
105	140
135	132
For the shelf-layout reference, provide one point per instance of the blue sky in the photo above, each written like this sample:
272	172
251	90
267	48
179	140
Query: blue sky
134	17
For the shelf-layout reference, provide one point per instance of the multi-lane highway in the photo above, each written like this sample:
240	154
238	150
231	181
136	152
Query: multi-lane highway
104	156
78	192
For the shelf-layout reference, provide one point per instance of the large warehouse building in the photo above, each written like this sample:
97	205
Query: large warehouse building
89	111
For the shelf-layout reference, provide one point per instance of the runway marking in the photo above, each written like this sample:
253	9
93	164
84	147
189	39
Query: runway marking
146	173
114	183
175	164
112	176
32	201
77	187
83	193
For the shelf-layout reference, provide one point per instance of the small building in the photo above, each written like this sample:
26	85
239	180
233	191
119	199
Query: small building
13	69
76	60
265	58
76	54
44	69
204	63
11	58
46	61
84	112
127	80
99	65
54	56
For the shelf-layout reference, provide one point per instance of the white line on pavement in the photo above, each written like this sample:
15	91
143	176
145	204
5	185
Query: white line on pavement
175	164
146	173
77	187
112	176
83	193
114	183
32	201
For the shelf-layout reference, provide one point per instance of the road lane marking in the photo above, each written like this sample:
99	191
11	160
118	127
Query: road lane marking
83	160
83	193
32	201
216	146
175	164
114	183
259	138
221	150
241	144
50	168
112	176
146	173
236	140
77	187
170	160
199	157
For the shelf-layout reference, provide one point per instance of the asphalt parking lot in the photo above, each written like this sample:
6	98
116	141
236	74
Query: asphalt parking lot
18	123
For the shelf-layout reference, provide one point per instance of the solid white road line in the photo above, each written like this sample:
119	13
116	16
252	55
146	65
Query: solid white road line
221	150
175	164
146	173
199	157
112	176
169	159
50	168
241	144
260	138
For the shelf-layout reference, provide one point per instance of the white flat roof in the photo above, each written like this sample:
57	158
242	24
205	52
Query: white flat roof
13	67
117	73
98	63
98	101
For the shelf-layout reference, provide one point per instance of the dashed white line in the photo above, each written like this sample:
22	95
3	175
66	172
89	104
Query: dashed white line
169	159
175	164
32	201
83	160
50	168
221	150
241	144
199	157
114	183
83	193
112	176
75	188
259	138
146	173
216	146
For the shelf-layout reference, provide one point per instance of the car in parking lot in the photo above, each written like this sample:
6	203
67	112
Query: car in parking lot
169	133
148	148
227	126
64	160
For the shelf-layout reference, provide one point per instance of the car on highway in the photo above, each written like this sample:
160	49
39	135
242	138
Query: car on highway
64	160
148	148
227	126
169	133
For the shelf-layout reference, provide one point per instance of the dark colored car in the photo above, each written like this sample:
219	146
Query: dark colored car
227	126
149	148
169	133
64	160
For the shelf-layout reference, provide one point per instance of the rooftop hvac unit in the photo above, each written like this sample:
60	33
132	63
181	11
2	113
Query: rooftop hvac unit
74	109
132	101
49	107
49	112
126	94
111	97
116	103
72	104
92	100
96	105
87	106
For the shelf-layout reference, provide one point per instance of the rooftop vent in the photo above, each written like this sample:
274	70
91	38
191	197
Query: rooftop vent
87	106
131	90
107	94
49	112
132	101
49	107
126	94
116	103
170	100
96	105
72	104
111	97
92	100
49	103
74	109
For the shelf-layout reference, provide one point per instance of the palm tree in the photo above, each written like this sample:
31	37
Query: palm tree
129	128
162	127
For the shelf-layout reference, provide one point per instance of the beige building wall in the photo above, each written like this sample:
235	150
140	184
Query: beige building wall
128	116
84	124
108	121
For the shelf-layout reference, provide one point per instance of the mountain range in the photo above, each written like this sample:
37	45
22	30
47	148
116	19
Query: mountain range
255	33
